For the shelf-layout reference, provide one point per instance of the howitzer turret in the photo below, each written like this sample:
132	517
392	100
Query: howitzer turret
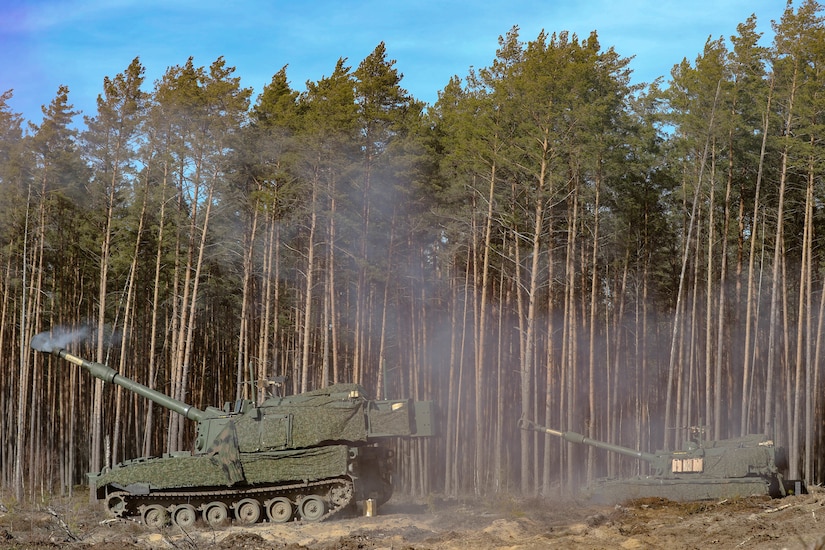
726	468
304	456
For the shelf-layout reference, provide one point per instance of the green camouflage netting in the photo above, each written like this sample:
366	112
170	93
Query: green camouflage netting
224	454
309	465
334	421
201	471
386	421
166	473
305	420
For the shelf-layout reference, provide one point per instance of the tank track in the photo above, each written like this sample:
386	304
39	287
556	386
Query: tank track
310	501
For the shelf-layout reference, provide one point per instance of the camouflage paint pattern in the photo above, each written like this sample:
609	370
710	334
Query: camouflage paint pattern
177	472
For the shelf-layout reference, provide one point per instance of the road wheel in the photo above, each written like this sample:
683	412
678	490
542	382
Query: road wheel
155	516
215	514
248	511
312	508
279	510
184	515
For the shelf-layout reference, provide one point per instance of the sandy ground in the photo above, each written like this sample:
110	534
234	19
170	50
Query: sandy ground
498	523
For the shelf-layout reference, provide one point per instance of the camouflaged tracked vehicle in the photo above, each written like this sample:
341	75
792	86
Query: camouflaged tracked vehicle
304	456
702	470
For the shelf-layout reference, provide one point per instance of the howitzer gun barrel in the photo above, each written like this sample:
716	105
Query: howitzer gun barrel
574	437
108	374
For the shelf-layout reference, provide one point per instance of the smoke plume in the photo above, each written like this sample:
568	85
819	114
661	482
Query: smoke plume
60	337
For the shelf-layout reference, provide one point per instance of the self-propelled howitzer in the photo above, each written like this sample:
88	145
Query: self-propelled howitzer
304	456
725	468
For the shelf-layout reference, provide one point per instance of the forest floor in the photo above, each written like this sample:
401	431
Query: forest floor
795	522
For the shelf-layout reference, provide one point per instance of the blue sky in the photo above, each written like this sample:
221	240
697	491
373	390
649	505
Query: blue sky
46	43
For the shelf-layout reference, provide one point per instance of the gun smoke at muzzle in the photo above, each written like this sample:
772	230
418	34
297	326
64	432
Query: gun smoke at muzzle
59	337
62	337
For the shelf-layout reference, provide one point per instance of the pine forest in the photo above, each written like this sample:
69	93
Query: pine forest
546	241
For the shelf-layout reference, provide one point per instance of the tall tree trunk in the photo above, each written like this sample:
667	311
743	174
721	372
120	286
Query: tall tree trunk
24	358
594	285
501	374
773	318
528	359
381	390
452	404
189	340
672	367
710	389
151	375
750	299
332	295
553	386
799	397
105	246
481	324
361	311
263	373
814	400
616	374
181	292
310	268
570	337
250	390
720	316
127	321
